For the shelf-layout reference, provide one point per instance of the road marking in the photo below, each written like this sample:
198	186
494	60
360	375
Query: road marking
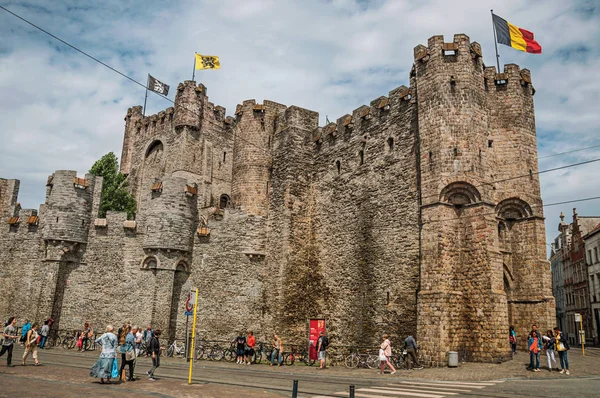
419	389
406	391
442	389
445	384
410	394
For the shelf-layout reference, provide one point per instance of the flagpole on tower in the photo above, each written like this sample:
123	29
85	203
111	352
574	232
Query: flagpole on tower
496	43
194	71
145	98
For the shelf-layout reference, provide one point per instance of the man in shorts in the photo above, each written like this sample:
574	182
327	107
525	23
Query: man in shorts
322	344
240	348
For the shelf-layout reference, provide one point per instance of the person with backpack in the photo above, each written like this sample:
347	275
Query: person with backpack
322	344
562	346
512	338
31	344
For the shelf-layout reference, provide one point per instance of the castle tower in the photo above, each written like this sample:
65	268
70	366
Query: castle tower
463	300
255	126
169	221
134	115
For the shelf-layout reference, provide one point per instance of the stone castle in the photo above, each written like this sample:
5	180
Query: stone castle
417	214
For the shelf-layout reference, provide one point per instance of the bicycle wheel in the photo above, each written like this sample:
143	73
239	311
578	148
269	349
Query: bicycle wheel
289	359
257	357
216	354
352	361
71	344
170	351
372	361
229	355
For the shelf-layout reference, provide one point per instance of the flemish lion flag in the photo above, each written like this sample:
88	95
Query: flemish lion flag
157	86
207	62
515	37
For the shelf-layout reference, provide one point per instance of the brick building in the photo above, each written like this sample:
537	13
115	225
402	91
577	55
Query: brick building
591	243
575	283
417	214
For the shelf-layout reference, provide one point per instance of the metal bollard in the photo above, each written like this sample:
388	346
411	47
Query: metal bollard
295	389
351	391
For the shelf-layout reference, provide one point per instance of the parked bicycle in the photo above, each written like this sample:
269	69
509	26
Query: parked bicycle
176	349
362	360
298	355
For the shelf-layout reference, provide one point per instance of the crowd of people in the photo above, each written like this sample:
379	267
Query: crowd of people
129	340
553	340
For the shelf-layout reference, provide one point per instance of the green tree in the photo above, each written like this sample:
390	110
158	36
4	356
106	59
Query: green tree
115	196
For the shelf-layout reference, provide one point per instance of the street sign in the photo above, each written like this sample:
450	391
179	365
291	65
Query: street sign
577	317
189	302
188	313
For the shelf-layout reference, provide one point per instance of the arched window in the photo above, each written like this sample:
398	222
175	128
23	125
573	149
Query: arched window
154	147
513	209
460	193
182	266
224	201
150	262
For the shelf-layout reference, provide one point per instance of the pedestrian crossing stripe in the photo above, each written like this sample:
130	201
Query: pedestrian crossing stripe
418	389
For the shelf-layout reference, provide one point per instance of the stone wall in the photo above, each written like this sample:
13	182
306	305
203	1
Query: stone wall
419	213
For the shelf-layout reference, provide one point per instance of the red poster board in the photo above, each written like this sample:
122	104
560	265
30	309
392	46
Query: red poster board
316	326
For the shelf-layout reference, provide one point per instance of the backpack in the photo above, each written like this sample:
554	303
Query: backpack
324	342
512	339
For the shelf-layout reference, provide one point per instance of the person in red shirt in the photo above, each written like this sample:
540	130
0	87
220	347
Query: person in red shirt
251	342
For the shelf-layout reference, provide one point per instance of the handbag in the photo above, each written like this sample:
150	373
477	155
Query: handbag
130	355
114	373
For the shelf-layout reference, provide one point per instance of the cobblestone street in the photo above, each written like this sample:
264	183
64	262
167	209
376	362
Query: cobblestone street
65	373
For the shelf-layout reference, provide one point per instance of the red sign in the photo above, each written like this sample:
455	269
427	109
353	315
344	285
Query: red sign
316	326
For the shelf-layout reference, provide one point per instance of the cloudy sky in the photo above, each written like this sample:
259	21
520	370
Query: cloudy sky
61	110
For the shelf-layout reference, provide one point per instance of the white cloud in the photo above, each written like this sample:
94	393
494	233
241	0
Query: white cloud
60	110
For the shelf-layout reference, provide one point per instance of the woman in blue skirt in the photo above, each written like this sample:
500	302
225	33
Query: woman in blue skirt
104	365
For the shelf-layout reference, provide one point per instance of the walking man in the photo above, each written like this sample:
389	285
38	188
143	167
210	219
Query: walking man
44	333
154	349
10	335
411	353
322	344
148	333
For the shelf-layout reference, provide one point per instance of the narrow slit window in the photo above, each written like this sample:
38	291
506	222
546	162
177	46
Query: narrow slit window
361	157
338	165
224	156
490	143
390	143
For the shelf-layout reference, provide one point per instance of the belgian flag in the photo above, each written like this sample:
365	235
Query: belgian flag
515	37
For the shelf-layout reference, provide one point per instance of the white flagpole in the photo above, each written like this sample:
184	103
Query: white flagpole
194	71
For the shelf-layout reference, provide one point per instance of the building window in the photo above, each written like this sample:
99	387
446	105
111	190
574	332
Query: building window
590	256
224	156
361	157
390	143
595	254
338	165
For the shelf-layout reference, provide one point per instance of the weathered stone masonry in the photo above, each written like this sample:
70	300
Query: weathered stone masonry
409	215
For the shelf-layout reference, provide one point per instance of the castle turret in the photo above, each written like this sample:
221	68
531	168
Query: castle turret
170	217
188	105
69	205
255	126
134	115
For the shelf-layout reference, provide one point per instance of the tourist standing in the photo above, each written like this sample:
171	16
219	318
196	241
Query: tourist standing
549	342
562	346
277	351
105	363
128	354
322	343
31	344
512	338
385	353
44	333
138	341
154	348
411	353
147	336
88	333
10	335
240	349
251	343
534	344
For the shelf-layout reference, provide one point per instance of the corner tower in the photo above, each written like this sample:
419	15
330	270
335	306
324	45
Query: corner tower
464	300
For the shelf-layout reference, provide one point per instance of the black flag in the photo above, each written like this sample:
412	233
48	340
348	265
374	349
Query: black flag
157	86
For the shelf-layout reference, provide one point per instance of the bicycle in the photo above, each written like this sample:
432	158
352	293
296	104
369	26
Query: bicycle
301	356
176	349
69	341
364	360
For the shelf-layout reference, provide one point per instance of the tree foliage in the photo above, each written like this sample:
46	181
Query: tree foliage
115	196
